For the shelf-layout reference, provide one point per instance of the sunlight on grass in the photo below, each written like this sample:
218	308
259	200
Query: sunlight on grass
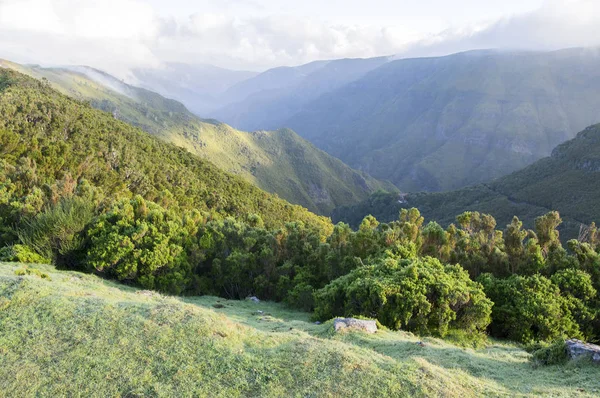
76	334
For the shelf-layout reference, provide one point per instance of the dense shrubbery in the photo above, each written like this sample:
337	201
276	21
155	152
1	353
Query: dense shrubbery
140	241
419	295
22	254
85	191
529	308
393	272
49	142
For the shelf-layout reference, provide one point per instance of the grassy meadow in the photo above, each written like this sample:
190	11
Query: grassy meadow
65	333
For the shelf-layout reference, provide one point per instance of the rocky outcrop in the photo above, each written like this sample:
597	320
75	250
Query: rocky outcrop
577	349
340	324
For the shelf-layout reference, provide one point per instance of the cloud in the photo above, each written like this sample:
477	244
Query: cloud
114	35
118	35
273	40
557	24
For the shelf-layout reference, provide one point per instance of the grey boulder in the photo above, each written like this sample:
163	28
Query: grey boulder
577	349
340	324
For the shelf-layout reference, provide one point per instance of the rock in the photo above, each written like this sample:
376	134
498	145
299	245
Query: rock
340	324
578	349
317	323
253	299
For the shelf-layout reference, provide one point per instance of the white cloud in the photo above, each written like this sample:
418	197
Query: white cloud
116	35
557	24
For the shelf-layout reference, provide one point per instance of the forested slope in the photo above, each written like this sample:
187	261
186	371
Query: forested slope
279	161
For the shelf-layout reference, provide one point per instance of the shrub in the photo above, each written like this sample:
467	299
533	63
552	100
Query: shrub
56	231
552	354
139	241
21	254
528	309
419	295
581	297
32	271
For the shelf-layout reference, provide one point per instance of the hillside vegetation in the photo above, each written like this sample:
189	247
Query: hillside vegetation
76	334
435	124
567	181
52	144
276	161
83	191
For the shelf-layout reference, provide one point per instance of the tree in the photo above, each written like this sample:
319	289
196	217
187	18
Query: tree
522	248
545	228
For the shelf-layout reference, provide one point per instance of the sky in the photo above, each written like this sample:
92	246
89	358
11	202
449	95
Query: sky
119	35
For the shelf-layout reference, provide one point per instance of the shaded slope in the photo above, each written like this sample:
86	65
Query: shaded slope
567	181
277	161
442	123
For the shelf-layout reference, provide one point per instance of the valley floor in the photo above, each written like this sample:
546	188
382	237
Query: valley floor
72	334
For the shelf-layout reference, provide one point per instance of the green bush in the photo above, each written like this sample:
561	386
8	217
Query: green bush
528	309
21	254
55	232
582	299
419	295
139	241
552	354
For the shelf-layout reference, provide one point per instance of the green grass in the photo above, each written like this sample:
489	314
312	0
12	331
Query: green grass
79	335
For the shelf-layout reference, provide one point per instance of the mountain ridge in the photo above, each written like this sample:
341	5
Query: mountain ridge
279	162
567	181
441	123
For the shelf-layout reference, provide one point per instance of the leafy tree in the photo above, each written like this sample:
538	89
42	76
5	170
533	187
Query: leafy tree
523	251
546	230
479	246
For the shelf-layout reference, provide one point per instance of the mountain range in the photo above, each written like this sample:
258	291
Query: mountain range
567	181
278	161
198	86
431	124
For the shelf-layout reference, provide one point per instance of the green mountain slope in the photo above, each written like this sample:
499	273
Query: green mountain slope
567	181
434	124
277	161
268	100
73	334
49	140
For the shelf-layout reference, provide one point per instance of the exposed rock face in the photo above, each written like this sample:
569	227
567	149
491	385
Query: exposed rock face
577	349
340	324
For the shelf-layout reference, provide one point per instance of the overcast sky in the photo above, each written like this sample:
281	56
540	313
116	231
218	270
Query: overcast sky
117	35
